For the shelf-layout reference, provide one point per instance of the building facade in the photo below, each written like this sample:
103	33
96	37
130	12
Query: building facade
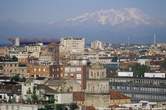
72	45
38	70
97	87
97	45
149	89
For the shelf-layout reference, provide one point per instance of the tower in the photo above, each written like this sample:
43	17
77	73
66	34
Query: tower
128	41
154	39
17	41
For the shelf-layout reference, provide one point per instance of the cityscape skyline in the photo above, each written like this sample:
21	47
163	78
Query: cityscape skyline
82	55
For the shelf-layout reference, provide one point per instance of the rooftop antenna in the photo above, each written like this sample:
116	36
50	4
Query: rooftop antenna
154	39
128	41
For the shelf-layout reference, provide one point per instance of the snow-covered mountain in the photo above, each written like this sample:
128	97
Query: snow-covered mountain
114	17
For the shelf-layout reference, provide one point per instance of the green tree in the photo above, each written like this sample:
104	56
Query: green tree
51	99
34	96
139	70
16	78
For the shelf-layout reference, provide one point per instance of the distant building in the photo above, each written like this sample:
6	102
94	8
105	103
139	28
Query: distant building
154	75
50	53
11	66
34	50
53	50
17	41
72	45
3	51
98	45
125	74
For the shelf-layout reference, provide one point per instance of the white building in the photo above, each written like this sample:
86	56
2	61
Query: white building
63	98
97	45
72	45
34	50
125	74
17	41
154	75
19	107
143	61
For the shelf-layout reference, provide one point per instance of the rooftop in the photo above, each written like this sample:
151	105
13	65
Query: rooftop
117	95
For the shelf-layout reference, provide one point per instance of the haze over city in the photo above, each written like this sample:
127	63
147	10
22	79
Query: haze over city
82	55
113	21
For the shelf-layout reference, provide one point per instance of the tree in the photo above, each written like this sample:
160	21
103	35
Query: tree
139	70
34	96
51	100
16	78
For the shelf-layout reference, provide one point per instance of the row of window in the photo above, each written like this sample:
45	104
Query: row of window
138	81
39	69
141	89
10	65
150	97
97	74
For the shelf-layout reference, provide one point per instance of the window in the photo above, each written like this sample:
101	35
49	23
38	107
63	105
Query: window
97	74
44	69
91	74
103	74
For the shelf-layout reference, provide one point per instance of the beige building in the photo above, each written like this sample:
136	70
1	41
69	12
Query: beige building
97	71
50	52
34	50
97	45
3	51
97	100
38	70
9	68
117	98
72	45
97	87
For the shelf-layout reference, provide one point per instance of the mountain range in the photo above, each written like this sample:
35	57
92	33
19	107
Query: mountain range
111	25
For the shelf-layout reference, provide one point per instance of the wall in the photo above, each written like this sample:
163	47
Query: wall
19	107
99	100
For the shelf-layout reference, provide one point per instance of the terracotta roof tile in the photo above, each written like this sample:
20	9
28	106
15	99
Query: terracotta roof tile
117	95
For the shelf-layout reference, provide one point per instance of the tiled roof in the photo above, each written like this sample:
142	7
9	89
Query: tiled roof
117	95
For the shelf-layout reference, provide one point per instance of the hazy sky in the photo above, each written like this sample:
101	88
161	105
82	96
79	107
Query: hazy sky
33	18
55	10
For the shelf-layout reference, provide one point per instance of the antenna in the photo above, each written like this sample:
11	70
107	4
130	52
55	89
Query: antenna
128	41
154	39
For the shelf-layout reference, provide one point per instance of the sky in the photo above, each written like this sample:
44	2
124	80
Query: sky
33	17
